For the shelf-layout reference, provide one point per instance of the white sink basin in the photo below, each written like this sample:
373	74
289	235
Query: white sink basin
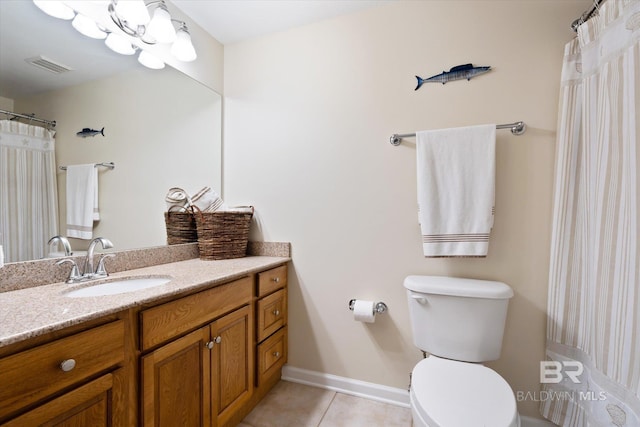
118	286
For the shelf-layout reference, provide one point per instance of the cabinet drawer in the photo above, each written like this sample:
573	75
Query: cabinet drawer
166	321
34	374
272	355
88	405
271	280
272	313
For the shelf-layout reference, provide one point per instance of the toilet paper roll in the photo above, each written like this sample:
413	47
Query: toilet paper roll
363	311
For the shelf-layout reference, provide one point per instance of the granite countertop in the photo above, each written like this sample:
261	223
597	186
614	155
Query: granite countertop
30	312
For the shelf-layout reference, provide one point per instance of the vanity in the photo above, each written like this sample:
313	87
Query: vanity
200	350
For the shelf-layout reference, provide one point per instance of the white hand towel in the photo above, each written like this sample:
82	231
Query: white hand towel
456	190
208	200
82	200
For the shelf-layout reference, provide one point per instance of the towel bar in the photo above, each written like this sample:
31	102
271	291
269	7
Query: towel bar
109	165
517	128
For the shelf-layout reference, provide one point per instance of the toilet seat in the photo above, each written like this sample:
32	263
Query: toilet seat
448	393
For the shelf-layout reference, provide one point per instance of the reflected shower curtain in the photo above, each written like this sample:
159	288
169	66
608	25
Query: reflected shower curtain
28	190
594	281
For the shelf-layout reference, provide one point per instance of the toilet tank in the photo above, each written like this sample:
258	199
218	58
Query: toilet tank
456	318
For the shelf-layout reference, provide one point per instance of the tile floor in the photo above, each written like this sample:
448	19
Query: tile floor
296	405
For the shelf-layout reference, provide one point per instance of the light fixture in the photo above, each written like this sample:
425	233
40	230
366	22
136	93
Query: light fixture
132	12
88	27
119	44
57	9
160	28
150	61
133	19
182	48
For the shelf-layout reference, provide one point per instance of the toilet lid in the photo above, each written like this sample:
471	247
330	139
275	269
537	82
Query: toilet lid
449	393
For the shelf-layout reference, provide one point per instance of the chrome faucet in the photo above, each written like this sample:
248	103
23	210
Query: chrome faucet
88	272
65	244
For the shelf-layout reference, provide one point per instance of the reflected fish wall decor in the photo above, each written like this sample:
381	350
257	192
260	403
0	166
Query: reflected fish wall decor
85	132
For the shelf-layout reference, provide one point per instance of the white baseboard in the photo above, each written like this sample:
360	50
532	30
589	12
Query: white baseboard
377	392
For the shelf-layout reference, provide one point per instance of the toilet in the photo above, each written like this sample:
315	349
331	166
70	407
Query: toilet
460	323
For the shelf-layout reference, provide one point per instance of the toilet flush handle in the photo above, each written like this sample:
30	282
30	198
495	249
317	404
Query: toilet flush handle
419	298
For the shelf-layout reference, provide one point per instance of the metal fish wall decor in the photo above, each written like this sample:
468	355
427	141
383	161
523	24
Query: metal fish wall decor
85	132
459	72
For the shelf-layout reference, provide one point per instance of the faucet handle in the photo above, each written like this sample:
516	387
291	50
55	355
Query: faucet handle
101	270
74	274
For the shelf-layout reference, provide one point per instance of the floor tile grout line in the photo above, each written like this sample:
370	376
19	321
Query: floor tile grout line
328	406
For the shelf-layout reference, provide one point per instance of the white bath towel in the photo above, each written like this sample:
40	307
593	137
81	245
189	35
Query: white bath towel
82	200
456	190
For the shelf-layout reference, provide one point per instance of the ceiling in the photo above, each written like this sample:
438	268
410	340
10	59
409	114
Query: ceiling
231	21
26	32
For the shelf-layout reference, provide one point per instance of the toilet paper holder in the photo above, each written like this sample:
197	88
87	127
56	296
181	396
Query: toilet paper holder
379	308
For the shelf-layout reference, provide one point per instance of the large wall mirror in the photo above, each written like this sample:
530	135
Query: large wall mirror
162	129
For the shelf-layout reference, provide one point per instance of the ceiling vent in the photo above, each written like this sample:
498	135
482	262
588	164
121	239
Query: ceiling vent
48	64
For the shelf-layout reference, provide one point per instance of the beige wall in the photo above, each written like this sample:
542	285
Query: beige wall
6	104
308	115
162	130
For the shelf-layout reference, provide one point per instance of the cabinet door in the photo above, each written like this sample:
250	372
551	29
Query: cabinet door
87	405
175	383
231	363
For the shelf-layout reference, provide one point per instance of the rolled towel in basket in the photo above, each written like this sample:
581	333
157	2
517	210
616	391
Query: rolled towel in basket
207	200
177	199
240	209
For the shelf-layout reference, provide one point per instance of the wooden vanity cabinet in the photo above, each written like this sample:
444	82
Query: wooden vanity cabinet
88	405
206	376
203	360
271	325
269	341
74	380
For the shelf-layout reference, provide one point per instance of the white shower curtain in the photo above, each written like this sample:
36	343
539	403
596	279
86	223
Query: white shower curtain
28	190
594	281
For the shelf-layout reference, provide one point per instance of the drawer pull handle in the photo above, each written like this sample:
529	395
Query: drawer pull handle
276	312
68	365
276	354
276	279
209	344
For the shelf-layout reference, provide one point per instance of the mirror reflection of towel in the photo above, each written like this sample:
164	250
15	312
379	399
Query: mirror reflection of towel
82	200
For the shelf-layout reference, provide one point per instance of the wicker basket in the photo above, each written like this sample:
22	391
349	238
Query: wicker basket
223	235
181	227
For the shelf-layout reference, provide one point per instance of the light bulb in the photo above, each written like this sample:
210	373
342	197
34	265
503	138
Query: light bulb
88	27
182	48
160	29
150	61
119	44
133	11
57	9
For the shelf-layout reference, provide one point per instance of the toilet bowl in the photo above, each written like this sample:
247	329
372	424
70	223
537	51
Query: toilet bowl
460	322
448	393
